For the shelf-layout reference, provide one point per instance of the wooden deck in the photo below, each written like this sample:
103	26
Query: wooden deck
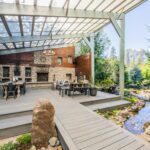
81	128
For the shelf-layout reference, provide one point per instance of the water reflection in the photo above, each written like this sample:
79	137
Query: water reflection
135	123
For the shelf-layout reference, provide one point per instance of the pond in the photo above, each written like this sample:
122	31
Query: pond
135	123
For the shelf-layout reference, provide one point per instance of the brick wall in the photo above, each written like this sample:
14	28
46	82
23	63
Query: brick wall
83	65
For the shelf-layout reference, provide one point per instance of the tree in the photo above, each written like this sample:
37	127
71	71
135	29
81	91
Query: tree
102	66
136	75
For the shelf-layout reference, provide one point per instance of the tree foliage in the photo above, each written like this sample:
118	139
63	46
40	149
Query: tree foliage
136	75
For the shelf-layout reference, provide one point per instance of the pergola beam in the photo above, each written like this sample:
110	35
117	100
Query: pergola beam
31	49
26	10
91	46
40	38
121	33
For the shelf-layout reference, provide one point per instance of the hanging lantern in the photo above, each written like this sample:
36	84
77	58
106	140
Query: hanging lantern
48	52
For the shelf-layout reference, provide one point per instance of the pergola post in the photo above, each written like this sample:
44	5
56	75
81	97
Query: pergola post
121	32
91	46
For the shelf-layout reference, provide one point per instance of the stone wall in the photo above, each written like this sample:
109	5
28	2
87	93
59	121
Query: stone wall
58	72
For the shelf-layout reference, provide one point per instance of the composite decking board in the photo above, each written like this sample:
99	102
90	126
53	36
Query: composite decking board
94	134
78	125
98	139
16	121
108	105
82	125
133	146
85	128
120	144
106	142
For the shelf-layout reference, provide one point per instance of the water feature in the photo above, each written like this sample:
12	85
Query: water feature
135	123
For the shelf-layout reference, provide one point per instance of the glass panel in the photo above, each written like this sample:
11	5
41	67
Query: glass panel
65	26
2	47
104	5
34	43
51	19
40	43
95	4
113	5
19	44
26	18
45	33
73	3
71	20
47	42
8	1
122	5
83	4
27	27
6	71
27	72
37	28
73	26
130	5
61	19
27	2
39	19
47	27
27	44
58	3
43	2
10	45
3	32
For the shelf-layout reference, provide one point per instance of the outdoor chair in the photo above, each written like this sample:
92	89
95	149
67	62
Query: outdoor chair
11	90
64	88
23	89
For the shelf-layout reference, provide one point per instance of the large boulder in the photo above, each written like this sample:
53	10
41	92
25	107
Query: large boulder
43	126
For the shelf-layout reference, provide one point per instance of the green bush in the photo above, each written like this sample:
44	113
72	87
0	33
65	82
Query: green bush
131	99
9	146
24	139
146	82
107	82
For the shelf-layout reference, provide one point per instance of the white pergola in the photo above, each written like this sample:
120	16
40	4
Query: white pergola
31	25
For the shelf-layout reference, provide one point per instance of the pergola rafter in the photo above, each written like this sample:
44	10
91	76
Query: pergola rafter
80	19
23	10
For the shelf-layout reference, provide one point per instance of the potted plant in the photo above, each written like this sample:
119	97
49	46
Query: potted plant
93	88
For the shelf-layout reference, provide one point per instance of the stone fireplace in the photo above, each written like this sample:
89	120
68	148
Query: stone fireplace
42	76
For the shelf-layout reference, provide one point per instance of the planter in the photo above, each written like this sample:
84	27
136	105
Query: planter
93	91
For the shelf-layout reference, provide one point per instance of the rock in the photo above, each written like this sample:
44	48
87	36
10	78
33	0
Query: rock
43	126
53	141
59	148
32	147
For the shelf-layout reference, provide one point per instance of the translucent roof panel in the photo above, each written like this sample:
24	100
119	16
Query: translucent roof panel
46	26
27	44
10	45
43	2
26	2
2	47
34	43
13	25
19	45
58	3
3	32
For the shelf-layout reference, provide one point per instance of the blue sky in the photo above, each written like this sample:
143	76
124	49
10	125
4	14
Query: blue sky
136	32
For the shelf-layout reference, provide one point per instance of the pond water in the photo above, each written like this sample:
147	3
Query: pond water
135	123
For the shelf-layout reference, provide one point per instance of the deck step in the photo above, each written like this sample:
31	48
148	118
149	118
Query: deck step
15	126
109	105
98	101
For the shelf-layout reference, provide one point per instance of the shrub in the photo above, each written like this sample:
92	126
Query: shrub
107	82
146	82
9	146
131	99
24	139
